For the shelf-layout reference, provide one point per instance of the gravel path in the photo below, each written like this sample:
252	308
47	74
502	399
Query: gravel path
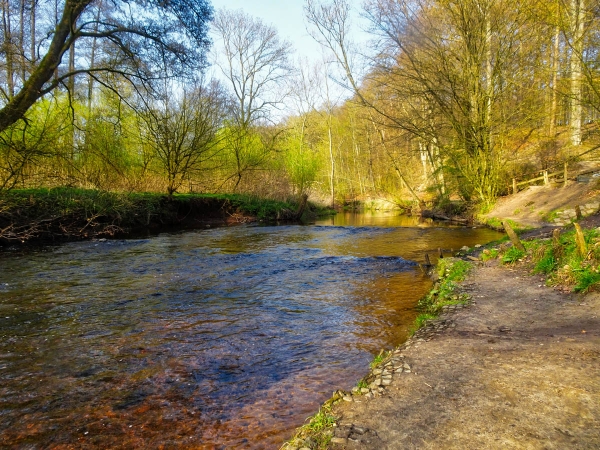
519	368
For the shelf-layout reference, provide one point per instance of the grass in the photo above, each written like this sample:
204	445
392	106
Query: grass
378	359
561	262
451	272
512	255
316	433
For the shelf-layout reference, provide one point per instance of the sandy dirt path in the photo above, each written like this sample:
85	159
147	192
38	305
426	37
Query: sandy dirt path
519	368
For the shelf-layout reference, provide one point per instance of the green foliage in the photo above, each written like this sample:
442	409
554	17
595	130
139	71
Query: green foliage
562	263
420	321
547	262
451	271
301	163
362	384
317	429
512	255
489	254
379	359
585	279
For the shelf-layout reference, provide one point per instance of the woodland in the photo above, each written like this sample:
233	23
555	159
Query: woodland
450	100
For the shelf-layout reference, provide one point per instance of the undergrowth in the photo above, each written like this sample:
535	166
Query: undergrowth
315	433
560	261
69	213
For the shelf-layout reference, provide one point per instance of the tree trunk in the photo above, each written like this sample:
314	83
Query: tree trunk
555	68
33	88
8	49
577	29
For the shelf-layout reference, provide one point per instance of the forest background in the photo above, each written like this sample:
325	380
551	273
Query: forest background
449	101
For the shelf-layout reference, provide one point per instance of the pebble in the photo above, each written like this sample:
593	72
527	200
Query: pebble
364	390
337	440
347	398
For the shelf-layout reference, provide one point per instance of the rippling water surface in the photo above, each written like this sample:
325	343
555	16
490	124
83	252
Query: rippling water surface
223	338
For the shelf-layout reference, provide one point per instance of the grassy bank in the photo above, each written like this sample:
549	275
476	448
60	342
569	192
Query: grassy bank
64	214
569	259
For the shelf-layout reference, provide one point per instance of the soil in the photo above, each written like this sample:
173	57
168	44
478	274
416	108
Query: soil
532	205
519	368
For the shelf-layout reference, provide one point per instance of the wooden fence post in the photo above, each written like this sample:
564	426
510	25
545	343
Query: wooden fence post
565	175
546	180
556	247
513	236
514	186
580	241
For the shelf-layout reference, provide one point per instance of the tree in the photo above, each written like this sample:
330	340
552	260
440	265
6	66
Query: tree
456	67
140	38
183	132
255	62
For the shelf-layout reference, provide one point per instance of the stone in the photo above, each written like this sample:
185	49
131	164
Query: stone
347	398
364	390
377	371
337	440
386	382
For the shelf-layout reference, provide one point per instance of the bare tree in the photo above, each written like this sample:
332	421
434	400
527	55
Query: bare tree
255	62
182	133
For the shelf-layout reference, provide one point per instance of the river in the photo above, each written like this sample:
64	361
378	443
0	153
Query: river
220	338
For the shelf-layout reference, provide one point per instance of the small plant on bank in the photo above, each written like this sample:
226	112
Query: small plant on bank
488	254
451	271
362	384
317	431
379	358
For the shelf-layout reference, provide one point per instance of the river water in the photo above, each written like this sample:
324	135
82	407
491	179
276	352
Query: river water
221	338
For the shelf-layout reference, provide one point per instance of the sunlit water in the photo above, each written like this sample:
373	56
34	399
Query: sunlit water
224	338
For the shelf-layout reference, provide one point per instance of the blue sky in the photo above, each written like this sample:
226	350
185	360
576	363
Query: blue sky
287	16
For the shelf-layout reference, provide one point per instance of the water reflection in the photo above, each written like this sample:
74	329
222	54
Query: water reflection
228	337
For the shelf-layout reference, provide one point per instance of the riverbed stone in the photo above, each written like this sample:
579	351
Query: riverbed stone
339	440
347	398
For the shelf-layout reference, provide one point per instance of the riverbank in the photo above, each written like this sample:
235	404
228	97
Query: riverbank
517	367
44	216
